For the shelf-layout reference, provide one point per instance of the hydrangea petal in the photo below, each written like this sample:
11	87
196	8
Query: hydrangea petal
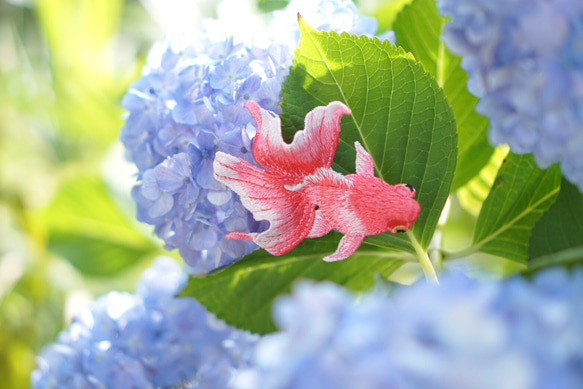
203	237
150	340
520	62
463	334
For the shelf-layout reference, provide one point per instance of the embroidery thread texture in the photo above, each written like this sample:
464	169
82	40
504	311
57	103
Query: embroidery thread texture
295	189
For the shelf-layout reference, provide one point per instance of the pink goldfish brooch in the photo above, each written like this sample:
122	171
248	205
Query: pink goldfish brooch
302	197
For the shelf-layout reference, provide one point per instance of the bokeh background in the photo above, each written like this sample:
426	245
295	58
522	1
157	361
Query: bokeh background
67	226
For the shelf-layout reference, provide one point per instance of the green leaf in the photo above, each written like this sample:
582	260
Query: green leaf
473	194
271	5
567	257
401	117
561	227
86	79
243	293
387	13
418	28
519	196
86	228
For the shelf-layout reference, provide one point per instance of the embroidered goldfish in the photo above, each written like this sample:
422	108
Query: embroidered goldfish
296	190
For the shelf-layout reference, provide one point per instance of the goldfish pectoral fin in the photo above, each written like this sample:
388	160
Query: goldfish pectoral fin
347	246
240	236
364	161
288	227
320	227
289	213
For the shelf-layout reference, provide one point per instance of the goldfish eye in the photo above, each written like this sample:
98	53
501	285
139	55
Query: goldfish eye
406	190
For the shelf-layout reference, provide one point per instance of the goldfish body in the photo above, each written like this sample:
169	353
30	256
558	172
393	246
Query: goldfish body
302	197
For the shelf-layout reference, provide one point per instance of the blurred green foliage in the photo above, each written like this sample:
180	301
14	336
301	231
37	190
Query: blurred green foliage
64	66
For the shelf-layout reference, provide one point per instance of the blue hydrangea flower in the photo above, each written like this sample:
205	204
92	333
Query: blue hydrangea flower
147	340
188	105
524	60
329	15
466	334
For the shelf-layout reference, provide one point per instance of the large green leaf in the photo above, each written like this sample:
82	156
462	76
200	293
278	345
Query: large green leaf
86	228
418	27
520	194
242	294
473	194
567	257
401	117
561	227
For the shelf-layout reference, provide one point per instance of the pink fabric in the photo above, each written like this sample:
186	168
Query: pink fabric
312	148
301	196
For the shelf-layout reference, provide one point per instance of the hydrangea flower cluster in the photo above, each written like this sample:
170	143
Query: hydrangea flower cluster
328	15
188	105
147	340
465	334
524	60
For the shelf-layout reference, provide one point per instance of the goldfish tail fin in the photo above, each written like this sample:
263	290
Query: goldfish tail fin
262	192
312	148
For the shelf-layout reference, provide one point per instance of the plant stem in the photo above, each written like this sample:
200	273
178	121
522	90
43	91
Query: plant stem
434	250
424	260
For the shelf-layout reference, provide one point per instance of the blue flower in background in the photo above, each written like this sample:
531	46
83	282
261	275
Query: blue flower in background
188	105
147	340
329	15
524	60
465	334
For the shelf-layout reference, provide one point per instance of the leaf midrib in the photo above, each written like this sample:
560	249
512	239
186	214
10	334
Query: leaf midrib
516	219
253	268
357	125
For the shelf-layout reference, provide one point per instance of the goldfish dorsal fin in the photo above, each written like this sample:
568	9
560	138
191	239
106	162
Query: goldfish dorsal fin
312	148
364	162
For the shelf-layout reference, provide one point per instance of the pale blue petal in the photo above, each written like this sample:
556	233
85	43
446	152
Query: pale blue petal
219	198
195	157
183	112
173	173
206	141
190	196
174	279
235	224
206	178
150	189
162	206
203	237
169	180
233	248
